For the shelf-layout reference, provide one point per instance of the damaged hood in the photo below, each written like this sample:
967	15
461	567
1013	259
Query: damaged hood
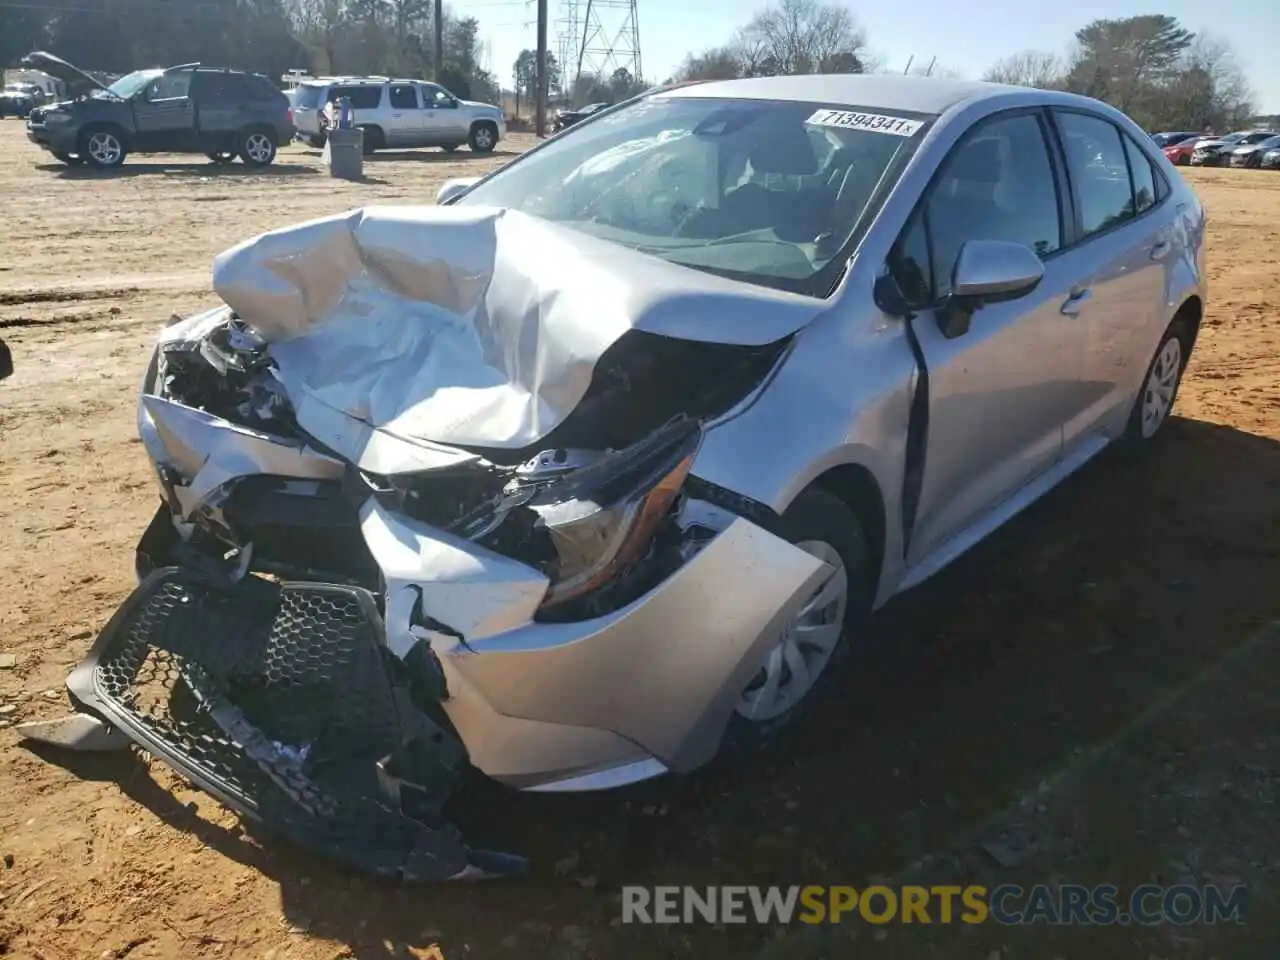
446	327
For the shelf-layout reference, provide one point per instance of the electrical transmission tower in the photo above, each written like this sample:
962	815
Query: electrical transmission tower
608	38
568	40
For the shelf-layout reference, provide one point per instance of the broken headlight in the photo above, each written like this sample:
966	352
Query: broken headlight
602	517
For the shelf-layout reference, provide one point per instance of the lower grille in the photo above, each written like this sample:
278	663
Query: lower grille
277	699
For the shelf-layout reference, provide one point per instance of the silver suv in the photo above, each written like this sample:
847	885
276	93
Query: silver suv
399	113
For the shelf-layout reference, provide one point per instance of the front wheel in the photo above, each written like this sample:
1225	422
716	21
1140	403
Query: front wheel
1160	385
484	137
806	654
103	148
257	148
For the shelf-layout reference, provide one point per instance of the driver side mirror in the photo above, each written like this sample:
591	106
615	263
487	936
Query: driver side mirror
987	271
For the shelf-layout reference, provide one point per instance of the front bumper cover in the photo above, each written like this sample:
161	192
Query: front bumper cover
233	685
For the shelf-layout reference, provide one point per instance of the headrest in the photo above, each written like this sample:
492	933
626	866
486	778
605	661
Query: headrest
784	152
977	162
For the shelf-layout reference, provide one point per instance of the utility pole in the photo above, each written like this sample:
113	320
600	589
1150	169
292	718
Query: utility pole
541	110
439	41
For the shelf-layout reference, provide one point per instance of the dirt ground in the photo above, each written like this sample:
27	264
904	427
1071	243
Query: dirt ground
1098	678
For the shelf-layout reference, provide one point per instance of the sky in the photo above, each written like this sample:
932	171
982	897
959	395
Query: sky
966	37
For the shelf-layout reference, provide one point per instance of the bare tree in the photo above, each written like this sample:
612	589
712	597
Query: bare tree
718	63
803	36
1030	68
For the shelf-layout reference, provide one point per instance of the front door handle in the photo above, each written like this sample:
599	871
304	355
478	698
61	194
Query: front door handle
1160	250
1071	306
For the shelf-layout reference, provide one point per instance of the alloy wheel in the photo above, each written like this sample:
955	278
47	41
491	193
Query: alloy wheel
105	148
259	148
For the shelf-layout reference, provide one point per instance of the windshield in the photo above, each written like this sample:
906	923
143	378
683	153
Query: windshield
763	191
131	83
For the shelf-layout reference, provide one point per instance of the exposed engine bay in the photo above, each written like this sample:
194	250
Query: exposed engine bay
564	508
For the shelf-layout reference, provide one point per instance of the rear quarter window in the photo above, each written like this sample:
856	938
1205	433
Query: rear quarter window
309	97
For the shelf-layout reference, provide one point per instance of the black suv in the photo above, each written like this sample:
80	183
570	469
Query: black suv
184	109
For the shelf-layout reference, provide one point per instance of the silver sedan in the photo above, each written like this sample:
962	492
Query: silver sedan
596	469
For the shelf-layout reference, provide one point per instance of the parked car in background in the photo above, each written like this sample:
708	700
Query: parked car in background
18	99
1163	140
399	114
1214	153
223	114
1250	154
600	469
567	118
1180	153
1270	159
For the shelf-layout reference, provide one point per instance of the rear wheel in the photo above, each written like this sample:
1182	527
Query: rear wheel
257	148
484	137
103	147
1160	385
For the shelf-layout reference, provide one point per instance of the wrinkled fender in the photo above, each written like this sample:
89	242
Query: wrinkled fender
841	398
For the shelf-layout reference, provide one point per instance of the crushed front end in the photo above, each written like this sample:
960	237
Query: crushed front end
336	619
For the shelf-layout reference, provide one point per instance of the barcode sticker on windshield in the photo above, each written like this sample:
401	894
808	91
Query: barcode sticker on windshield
874	122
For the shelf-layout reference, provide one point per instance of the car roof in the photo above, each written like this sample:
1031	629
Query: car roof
885	91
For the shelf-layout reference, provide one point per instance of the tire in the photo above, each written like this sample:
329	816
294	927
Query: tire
317	142
1160	385
449	147
373	141
257	147
70	159
221	157
822	524
103	147
484	137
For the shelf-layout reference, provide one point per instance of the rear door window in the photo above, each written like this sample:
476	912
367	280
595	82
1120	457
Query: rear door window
1099	170
362	97
403	96
221	88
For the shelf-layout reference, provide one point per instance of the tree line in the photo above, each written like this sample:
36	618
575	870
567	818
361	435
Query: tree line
1149	66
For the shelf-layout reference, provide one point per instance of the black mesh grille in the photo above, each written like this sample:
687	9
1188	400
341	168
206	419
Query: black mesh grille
277	698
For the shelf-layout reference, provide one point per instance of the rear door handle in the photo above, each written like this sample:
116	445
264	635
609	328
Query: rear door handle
1160	250
1071	306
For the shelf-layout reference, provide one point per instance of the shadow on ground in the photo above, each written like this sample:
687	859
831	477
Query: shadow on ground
230	171
1044	640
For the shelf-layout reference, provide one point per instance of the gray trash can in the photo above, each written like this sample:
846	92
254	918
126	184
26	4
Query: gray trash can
346	153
